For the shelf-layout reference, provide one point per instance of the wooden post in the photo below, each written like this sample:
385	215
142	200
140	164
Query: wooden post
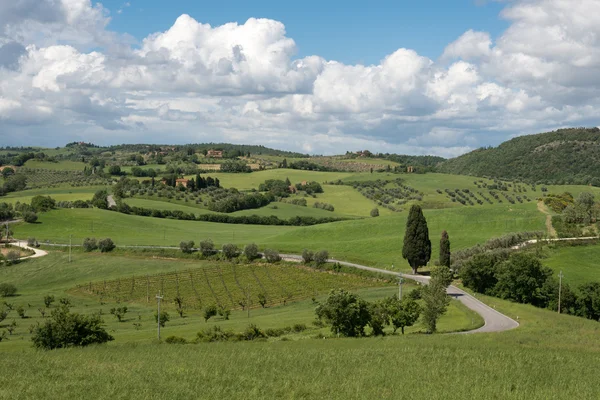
147	289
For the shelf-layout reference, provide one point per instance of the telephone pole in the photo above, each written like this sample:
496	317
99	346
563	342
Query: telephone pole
248	299
400	280
70	244
560	276
158	299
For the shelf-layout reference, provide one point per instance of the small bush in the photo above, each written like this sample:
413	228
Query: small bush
89	244
31	242
230	250
321	257
175	340
13	256
207	248
272	256
251	251
210	311
7	290
214	334
307	256
375	212
252	332
224	312
30	217
187	247
415	294
48	300
106	245
299	328
164	318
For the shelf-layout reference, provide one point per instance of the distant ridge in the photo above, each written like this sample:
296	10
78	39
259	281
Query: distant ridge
565	156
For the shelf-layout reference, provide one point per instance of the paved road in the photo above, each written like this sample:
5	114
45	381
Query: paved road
494	321
111	201
37	252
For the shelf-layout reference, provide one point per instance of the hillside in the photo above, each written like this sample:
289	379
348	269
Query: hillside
565	156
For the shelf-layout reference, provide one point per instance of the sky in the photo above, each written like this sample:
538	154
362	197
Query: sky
429	77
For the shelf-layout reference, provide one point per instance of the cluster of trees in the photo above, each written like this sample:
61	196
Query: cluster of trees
522	278
224	218
104	245
13	183
239	201
229	251
310	187
235	166
324	206
349	314
561	157
276	187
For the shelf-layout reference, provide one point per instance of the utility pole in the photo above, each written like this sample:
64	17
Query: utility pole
158	299
560	276
248	299
400	280
70	243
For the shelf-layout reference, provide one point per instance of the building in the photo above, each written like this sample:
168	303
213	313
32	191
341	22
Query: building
214	153
183	182
410	169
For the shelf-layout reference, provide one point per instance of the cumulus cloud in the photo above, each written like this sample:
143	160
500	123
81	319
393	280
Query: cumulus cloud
65	76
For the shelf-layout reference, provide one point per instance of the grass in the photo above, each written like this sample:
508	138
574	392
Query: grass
373	241
579	264
64	193
64	165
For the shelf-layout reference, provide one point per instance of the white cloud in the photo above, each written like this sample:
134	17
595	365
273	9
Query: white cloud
64	76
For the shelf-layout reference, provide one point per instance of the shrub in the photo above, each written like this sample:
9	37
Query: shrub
347	313
48	300
13	256
230	250
7	290
89	244
375	212
224	312
119	312
106	245
207	248
187	247
321	257
299	328
214	334
251	251
272	256
31	242
252	332
42	203
67	329
262	299
210	311
175	340
30	217
307	256
164	318
21	312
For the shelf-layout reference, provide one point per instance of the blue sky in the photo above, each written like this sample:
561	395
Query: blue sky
354	32
439	77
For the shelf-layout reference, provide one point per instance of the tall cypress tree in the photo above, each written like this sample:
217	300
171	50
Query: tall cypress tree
445	250
417	246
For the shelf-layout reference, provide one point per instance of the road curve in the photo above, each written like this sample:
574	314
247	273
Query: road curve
37	252
494	320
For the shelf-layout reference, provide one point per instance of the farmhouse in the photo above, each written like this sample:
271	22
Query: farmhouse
214	153
183	182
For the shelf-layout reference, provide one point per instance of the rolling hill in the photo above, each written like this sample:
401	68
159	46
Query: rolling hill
565	156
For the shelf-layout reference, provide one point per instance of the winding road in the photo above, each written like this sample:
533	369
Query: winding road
494	320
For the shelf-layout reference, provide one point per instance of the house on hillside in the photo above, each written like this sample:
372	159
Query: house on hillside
410	169
214	153
2	168
183	182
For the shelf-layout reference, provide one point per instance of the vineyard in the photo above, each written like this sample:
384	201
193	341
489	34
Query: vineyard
43	178
229	285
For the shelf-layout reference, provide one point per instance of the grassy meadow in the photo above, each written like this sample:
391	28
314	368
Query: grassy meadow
579	264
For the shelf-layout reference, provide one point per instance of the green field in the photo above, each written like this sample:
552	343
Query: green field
579	264
64	165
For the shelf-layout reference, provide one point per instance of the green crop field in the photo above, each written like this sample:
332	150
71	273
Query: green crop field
579	264
56	166
64	193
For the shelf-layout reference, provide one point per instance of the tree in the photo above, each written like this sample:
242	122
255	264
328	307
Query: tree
207	248
7	290
479	273
520	278
164	318
375	212
89	244
262	299
106	245
114	170
8	171
588	304
230	250
67	329
48	300
321	257
403	312
187	247
119	312
272	256
30	217
445	250
209	312
42	203
347	313
100	199
251	251
307	256
435	298
417	246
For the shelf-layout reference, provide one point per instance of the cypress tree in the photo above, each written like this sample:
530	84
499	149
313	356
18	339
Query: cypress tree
445	250
417	246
